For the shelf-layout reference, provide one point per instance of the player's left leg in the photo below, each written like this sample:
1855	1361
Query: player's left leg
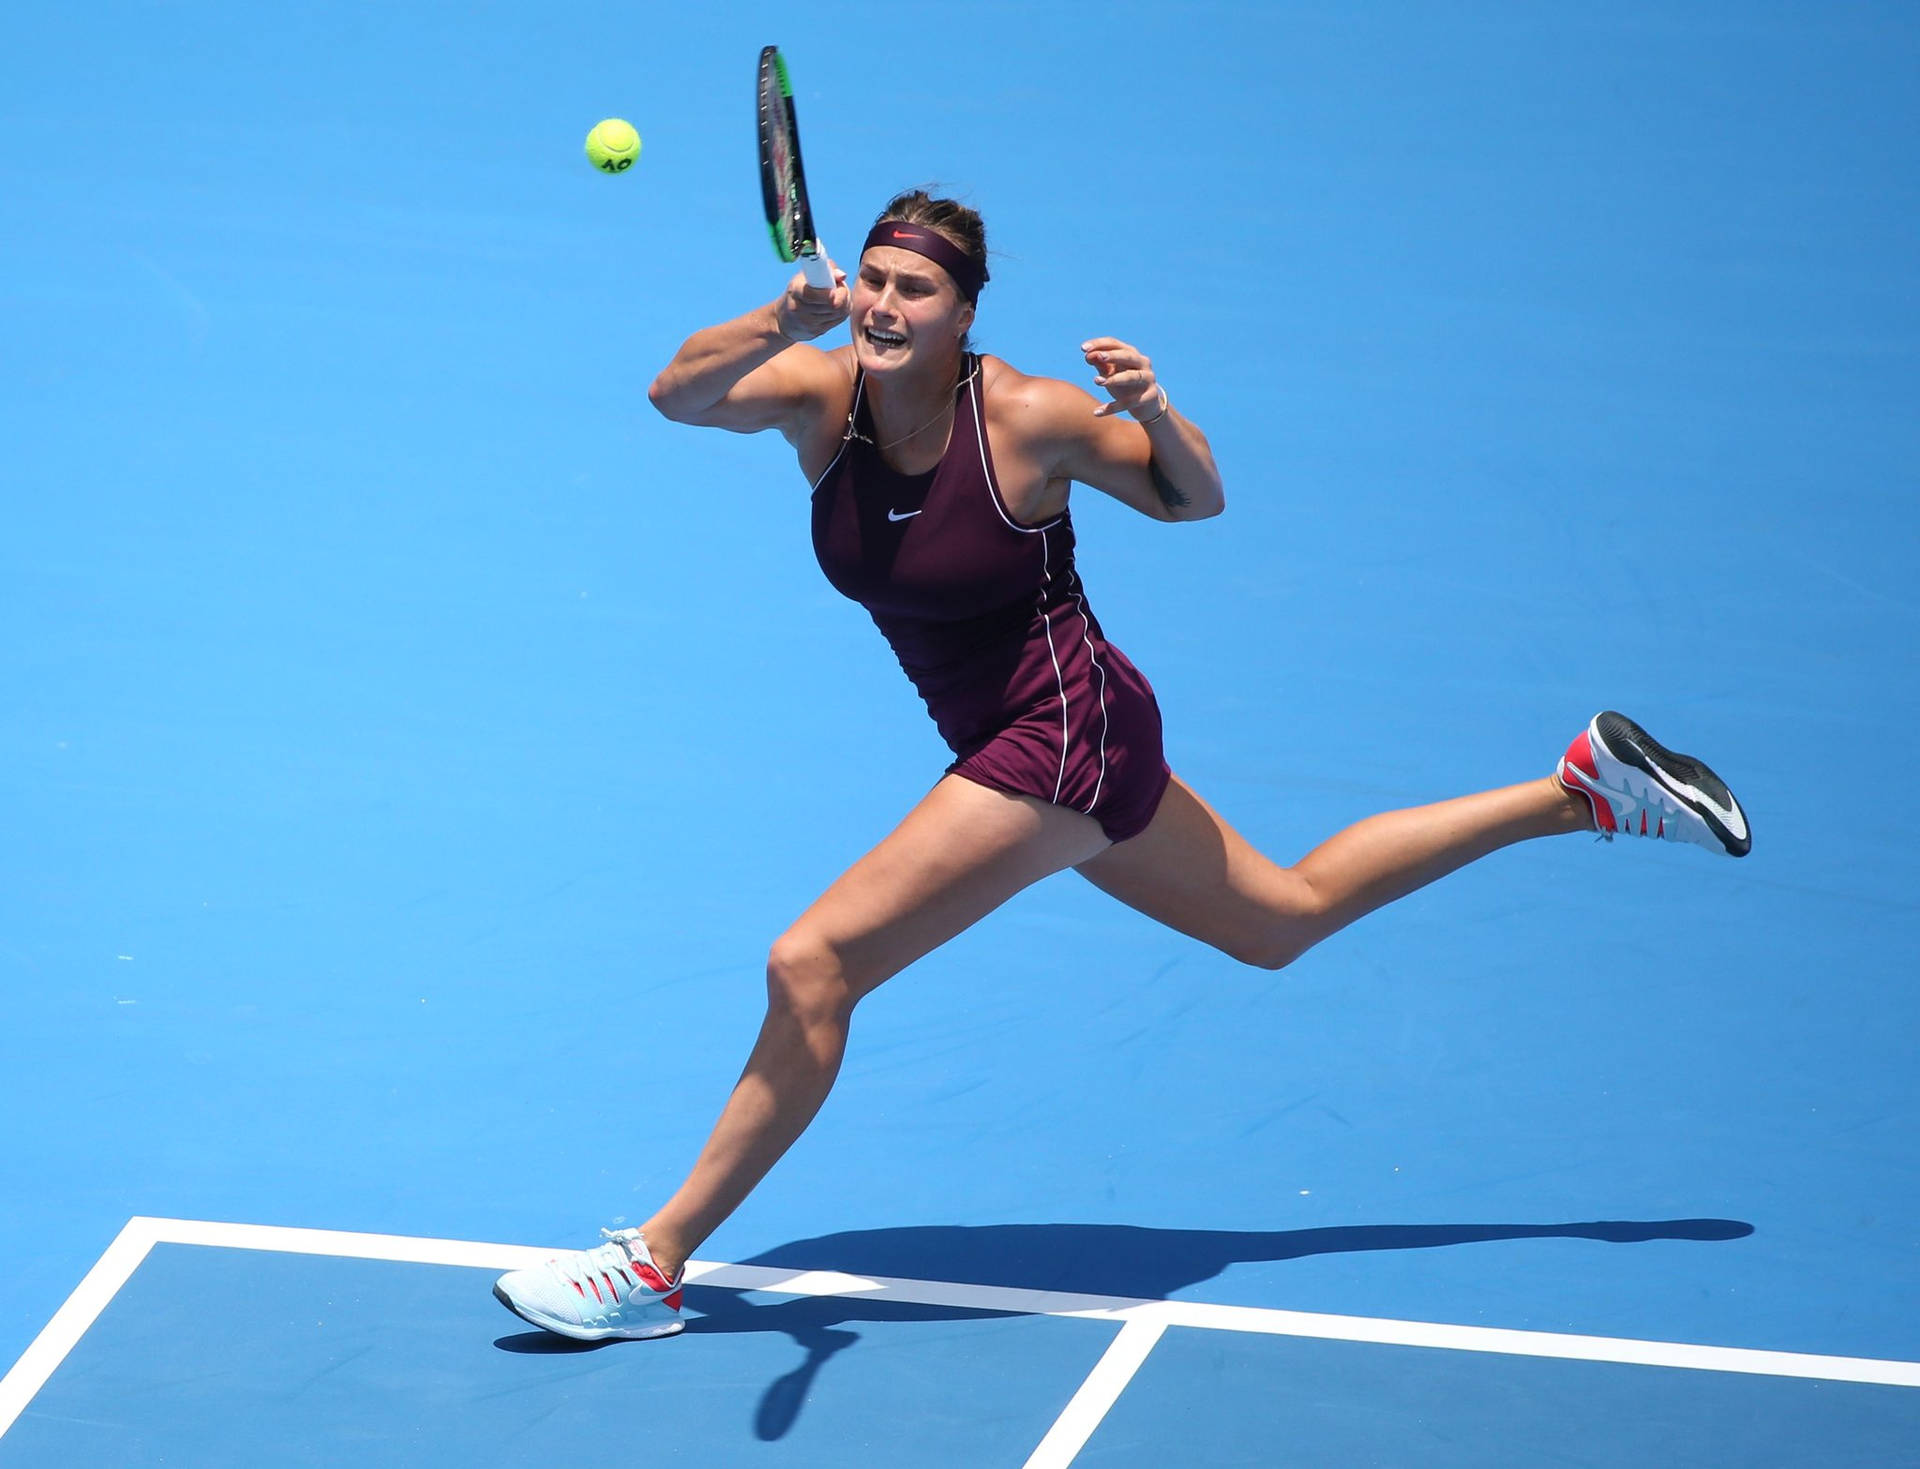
1192	871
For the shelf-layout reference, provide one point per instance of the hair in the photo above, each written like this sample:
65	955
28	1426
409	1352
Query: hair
958	224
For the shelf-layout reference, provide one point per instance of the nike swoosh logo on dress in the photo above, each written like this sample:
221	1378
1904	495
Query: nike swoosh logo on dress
900	515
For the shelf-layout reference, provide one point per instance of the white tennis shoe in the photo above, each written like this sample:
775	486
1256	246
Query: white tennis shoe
612	1290
1638	786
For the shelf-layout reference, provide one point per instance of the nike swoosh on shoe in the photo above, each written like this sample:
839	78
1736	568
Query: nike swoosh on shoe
1730	817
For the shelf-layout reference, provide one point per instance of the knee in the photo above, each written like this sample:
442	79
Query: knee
806	979
1266	950
1291	920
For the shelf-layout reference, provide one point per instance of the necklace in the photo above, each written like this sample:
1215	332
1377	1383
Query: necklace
938	413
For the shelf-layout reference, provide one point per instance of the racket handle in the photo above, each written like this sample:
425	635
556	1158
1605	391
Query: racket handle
818	273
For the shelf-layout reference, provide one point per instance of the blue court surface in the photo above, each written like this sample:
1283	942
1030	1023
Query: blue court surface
412	743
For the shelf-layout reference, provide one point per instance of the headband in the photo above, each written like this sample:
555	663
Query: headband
967	275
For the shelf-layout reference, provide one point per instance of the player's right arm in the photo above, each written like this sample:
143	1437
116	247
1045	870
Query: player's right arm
756	372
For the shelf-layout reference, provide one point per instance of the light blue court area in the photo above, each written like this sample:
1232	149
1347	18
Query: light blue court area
1231	1399
221	1356
199	1343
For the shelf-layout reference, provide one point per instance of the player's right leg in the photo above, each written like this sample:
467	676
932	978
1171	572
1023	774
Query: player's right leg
961	853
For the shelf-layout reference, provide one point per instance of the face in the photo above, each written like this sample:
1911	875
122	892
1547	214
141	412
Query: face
905	309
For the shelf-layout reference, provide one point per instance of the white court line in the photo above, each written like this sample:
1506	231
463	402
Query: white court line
80	1310
1097	1394
1142	1321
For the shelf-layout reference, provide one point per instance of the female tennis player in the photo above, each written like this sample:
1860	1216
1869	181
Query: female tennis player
940	487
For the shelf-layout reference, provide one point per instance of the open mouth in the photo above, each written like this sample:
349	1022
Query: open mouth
884	341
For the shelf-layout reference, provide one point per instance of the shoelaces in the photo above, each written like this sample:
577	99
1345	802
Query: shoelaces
611	1265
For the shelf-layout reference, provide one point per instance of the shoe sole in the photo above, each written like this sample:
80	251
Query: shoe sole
1689	781
586	1333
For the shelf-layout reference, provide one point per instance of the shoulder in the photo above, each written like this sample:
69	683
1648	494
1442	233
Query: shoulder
830	379
808	379
1049	423
823	384
830	375
1030	409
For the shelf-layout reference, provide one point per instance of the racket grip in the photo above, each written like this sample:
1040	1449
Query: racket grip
818	273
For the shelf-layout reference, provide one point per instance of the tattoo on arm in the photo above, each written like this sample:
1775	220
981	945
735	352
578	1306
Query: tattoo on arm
1171	495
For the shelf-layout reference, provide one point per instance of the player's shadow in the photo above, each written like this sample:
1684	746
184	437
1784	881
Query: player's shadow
1080	1259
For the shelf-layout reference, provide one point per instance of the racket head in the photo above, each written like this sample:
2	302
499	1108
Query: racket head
783	178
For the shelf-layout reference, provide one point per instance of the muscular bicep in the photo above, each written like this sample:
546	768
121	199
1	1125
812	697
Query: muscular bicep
1111	455
787	392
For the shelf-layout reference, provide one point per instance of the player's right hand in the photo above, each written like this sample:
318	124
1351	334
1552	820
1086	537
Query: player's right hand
806	313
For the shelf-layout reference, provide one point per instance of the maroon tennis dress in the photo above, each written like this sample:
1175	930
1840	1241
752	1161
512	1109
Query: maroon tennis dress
988	619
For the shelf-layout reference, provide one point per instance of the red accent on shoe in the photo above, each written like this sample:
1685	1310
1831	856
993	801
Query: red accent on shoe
577	1286
652	1276
673	1301
612	1289
596	1292
1578	764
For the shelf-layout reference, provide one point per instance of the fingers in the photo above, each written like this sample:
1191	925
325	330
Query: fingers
1130	399
808	311
816	293
1106	359
1112	349
1111	358
1124	372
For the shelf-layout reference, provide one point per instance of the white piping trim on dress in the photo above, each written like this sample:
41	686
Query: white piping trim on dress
1066	729
846	436
975	385
1086	636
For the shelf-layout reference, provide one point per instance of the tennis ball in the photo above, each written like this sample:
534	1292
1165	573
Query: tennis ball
613	145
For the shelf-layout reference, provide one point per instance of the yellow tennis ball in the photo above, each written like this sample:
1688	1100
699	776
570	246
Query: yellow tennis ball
613	145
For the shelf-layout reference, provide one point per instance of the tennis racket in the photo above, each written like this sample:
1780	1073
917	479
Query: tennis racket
783	181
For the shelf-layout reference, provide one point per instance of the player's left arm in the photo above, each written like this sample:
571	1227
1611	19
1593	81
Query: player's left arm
1159	462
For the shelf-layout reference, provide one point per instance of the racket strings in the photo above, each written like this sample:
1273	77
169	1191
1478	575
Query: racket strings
782	174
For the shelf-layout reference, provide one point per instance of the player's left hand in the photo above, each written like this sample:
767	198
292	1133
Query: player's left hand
1125	372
